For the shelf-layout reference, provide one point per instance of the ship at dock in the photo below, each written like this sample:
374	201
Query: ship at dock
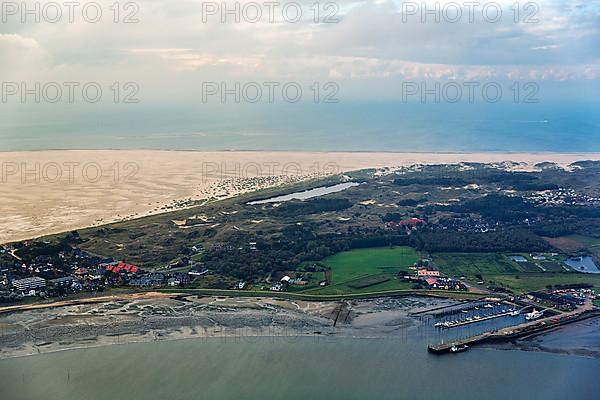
459	348
533	315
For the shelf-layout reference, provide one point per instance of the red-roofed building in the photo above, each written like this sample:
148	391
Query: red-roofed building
432	282
122	267
422	272
411	222
406	224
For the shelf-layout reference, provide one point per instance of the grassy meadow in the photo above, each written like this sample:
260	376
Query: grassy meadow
367	270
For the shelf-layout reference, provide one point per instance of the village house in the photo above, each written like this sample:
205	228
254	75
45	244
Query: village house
179	279
445	284
62	282
424	272
276	287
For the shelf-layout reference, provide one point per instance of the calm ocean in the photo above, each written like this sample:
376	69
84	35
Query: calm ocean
351	126
299	369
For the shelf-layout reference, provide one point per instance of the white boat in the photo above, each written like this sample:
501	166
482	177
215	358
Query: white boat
515	313
458	349
488	306
533	315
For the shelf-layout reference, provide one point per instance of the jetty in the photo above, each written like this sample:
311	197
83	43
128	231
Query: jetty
455	324
451	308
515	332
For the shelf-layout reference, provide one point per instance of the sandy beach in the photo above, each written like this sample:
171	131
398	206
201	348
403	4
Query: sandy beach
45	192
149	318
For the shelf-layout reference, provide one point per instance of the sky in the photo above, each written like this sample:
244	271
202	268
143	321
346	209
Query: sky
185	54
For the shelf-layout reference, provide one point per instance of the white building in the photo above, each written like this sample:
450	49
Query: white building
27	284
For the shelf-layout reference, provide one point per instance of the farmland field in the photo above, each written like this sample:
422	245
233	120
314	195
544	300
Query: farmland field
527	282
573	243
352	264
473	263
367	270
497	269
591	243
587	241
554	266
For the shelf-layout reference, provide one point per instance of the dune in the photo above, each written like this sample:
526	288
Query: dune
45	192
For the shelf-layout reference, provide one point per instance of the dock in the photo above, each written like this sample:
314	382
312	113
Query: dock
451	308
514	332
441	348
480	319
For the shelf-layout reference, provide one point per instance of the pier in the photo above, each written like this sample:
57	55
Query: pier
448	325
515	332
452	308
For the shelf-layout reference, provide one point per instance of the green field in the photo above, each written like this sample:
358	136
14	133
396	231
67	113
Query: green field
499	270
527	282
586	241
367	270
554	266
577	244
591	243
469	264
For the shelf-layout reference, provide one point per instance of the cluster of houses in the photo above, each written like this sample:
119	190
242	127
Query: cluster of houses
80	271
434	279
406	224
562	196
563	299
284	282
468	224
125	274
47	274
35	285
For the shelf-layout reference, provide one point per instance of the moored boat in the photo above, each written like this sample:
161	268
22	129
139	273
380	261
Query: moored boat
533	315
459	348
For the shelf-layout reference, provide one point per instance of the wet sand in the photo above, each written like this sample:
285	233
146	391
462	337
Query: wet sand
580	338
45	192
133	320
153	317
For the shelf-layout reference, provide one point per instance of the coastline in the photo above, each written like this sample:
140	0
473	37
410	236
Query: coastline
52	191
147	320
576	339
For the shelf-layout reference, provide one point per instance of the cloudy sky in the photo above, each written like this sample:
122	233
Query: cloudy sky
373	40
369	48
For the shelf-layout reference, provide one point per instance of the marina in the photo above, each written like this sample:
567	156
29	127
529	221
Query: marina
477	318
531	326
442	311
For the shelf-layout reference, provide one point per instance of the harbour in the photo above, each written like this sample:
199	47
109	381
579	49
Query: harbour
472	320
529	328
